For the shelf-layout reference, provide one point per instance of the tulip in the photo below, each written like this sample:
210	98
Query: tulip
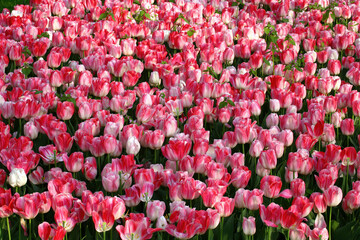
249	226
17	177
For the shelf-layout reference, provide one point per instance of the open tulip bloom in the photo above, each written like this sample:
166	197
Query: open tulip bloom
179	119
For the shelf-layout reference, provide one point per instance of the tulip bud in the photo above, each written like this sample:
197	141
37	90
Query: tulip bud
249	226
17	177
132	146
30	130
155	79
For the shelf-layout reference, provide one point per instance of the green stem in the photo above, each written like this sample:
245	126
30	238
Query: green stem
30	230
221	228
210	234
288	235
8	227
330	223
20	127
243	148
104	235
347	177
20	230
270	230
155	156
55	157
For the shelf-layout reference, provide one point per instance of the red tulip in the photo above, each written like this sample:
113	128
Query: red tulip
155	209
136	224
270	214
26	206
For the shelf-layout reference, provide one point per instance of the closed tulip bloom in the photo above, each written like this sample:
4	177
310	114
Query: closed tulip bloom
128	46
17	177
334	67
30	130
15	52
333	196
351	201
154	79
27	206
65	110
225	206
270	214
54	59
130	78
274	105
240	177
89	168
268	159
111	181
63	142
132	146
347	127
271	186
254	199
155	209
297	187
75	162
249	226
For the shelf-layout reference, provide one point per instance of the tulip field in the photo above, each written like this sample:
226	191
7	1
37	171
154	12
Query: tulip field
180	119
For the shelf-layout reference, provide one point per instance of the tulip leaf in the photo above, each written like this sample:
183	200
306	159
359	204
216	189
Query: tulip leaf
223	104
230	102
26	71
112	15
44	34
190	32
326	16
298	68
26	51
266	62
147	15
228	227
103	16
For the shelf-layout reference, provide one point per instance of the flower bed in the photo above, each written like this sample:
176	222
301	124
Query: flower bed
180	119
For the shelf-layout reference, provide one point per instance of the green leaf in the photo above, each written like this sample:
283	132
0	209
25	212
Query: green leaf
267	30
112	15
325	16
266	62
103	16
44	34
147	15
230	102
285	20
229	228
163	62
223	104
136	2
182	17
26	51
298	68
26	71
190	32
333	16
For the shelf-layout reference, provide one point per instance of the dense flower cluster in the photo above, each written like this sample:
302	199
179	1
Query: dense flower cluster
137	119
